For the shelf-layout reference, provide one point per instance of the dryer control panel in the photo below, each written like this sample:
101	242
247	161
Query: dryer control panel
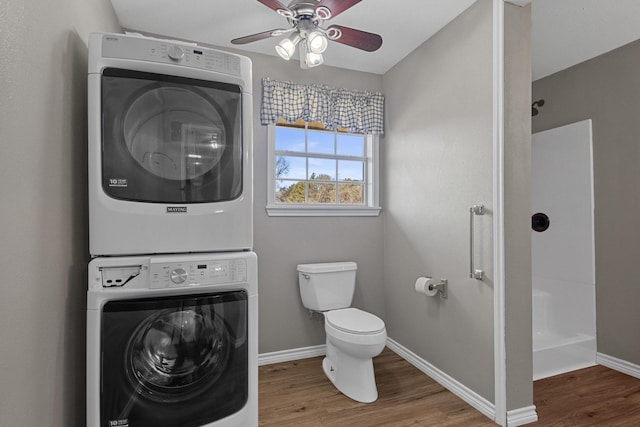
169	52
195	273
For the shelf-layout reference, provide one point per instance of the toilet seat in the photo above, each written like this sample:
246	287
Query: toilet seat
354	321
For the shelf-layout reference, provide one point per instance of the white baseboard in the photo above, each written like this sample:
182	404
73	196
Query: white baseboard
618	365
289	355
522	416
463	392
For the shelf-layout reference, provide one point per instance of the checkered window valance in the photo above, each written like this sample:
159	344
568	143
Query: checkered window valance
358	112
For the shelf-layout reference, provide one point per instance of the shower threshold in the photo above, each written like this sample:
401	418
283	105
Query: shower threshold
555	353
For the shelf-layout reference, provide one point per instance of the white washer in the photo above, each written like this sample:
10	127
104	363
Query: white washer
173	341
170	147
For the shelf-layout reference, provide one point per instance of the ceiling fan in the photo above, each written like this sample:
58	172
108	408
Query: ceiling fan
306	18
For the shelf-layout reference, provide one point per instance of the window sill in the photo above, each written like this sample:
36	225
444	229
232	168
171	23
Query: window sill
288	210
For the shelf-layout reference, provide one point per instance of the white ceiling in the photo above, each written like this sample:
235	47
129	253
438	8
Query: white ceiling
565	32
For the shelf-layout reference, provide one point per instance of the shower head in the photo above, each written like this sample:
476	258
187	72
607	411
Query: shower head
534	110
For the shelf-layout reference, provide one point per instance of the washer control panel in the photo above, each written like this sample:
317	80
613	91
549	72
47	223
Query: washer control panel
196	273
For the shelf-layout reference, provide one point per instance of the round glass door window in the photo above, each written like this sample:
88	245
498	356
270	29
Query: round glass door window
174	133
176	353
169	139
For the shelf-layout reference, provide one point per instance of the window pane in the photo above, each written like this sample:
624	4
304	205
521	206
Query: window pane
320	142
350	171
322	193
290	191
324	169
291	167
351	194
315	166
289	139
351	145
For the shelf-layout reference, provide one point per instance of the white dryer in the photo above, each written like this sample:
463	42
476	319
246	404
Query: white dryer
173	341
170	147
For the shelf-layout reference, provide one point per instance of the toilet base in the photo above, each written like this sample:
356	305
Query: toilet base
353	377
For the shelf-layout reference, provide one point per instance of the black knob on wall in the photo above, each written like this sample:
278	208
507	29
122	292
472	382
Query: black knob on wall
539	222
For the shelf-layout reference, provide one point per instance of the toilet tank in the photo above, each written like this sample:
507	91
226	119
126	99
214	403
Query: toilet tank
327	286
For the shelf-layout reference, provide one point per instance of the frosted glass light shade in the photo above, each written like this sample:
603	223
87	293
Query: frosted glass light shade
286	48
316	42
314	59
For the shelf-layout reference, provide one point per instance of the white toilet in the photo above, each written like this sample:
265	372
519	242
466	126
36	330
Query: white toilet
354	336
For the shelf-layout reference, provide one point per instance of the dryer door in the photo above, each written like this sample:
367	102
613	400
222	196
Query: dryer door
174	361
168	139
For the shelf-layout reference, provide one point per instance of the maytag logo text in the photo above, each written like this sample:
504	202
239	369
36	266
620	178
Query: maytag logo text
176	209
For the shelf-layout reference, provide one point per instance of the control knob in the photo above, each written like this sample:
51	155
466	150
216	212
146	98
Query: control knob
178	275
176	53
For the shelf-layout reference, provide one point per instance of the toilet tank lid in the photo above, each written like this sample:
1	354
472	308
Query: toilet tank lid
327	267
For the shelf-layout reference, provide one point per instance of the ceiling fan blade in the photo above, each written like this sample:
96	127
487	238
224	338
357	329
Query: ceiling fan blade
355	38
277	6
328	9
258	36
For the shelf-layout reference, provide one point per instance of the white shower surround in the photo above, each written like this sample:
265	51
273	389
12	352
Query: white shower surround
564	327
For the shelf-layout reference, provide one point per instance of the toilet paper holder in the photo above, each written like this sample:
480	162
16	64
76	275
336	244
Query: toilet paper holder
441	287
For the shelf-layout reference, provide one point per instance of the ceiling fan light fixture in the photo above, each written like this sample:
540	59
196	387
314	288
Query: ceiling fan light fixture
317	42
287	47
284	50
313	59
309	59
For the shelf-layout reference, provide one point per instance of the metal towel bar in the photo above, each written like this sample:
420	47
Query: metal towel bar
474	273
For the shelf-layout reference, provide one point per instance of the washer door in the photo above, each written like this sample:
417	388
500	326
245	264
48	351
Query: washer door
178	361
174	353
169	139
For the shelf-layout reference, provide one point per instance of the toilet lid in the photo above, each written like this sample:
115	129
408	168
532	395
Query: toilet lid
354	321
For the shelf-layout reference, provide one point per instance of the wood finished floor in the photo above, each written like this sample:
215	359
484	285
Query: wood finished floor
595	396
298	394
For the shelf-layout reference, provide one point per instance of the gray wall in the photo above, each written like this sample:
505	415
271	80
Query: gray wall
517	200
607	90
284	242
437	158
43	223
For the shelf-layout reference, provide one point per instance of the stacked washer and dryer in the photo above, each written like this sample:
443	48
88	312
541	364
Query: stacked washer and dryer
172	293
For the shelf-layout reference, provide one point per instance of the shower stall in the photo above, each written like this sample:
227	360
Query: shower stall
563	265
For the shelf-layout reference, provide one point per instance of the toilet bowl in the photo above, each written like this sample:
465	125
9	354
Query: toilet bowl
353	336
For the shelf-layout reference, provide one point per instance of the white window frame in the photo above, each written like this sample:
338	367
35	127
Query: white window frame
371	196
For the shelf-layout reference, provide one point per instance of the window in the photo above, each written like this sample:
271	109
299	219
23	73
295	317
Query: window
318	172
